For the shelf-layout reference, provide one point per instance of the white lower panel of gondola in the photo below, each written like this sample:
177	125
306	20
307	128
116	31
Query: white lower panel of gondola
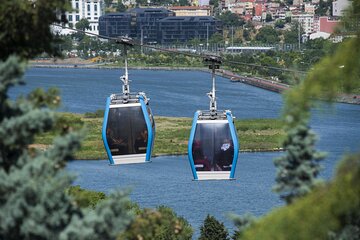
213	175
129	159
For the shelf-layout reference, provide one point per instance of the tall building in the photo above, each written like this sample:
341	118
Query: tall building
306	21
158	25
91	10
339	6
184	29
115	24
144	22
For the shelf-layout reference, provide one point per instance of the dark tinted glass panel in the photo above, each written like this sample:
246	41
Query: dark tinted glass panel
213	148
126	131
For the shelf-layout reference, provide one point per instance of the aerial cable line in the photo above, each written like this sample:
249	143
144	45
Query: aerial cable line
204	56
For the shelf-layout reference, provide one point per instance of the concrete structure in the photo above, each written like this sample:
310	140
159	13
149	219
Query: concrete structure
306	21
339	7
184	29
185	11
327	25
316	35
88	9
309	8
158	25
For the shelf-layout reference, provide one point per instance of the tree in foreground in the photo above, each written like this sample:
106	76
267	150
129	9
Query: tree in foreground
212	229
298	169
162	223
33	199
330	211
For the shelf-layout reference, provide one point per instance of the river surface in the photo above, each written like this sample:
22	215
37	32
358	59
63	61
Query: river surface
168	180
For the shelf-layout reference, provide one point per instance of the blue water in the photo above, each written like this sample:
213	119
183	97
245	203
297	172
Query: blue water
168	180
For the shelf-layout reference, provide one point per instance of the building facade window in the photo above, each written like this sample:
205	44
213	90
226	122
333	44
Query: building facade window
70	18
77	18
88	7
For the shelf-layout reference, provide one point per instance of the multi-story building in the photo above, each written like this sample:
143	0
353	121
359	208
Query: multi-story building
339	6
306	21
88	9
144	22
184	11
309	8
158	25
115	24
184	29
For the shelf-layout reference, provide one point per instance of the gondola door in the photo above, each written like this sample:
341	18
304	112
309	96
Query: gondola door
213	149
127	133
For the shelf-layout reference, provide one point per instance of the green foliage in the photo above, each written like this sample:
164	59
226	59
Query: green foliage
333	208
267	35
162	223
280	23
298	168
25	27
231	19
85	198
212	229
33	199
242	223
292	36
268	17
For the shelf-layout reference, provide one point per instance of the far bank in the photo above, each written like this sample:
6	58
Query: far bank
254	135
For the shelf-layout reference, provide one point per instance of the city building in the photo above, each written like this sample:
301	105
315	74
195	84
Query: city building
184	11
306	21
184	29
115	24
339	6
91	10
158	25
144	22
137	23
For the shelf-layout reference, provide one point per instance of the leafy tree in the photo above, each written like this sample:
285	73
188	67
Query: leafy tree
292	36
324	8
279	23
25	27
231	19
108	3
183	2
298	169
83	24
34	203
120	6
268	17
331	211
162	223
267	35
216	38
242	223
85	198
212	229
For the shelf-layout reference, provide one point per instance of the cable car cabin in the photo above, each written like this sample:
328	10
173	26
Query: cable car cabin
128	129
213	146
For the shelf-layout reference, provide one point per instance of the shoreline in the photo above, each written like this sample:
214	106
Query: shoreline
233	77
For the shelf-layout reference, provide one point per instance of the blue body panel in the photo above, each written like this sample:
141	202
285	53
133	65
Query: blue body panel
234	139
190	143
236	143
149	128
106	114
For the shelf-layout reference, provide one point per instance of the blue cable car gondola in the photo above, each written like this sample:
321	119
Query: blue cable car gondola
128	128
213	146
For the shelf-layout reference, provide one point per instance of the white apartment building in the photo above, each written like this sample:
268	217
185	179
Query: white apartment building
306	21
339	6
89	9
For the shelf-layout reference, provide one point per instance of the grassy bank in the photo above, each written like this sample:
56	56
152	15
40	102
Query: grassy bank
171	135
